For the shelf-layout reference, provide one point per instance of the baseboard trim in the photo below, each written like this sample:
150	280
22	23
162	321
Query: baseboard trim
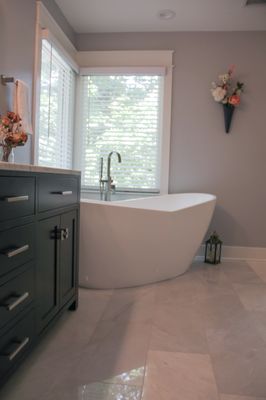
237	253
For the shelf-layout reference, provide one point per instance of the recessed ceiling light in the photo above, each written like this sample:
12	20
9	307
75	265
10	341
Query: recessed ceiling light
166	14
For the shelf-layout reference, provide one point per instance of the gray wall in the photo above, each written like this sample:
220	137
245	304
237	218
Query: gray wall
17	41
17	33
203	157
55	11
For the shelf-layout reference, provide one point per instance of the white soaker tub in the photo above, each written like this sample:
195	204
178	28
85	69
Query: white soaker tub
135	242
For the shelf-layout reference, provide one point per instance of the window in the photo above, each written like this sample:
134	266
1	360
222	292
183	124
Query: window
123	103
56	109
122	112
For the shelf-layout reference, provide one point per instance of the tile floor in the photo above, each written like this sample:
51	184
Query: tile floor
201	336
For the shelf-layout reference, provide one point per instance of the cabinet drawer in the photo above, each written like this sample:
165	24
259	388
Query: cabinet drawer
16	343
17	197
15	295
55	192
17	246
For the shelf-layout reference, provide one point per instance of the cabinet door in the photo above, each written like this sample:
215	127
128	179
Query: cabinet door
68	256
47	270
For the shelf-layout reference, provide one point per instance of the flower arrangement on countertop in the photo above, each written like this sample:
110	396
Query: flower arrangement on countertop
228	96
11	133
222	92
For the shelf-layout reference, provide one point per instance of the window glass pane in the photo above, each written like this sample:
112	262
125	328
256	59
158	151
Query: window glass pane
56	110
122	113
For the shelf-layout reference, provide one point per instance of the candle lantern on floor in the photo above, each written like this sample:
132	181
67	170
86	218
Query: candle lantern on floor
213	249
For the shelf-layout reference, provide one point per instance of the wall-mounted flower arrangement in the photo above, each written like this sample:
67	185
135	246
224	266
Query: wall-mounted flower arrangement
11	133
228	96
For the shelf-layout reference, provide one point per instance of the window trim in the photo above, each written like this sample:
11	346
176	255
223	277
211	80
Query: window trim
128	60
121	71
125	58
45	27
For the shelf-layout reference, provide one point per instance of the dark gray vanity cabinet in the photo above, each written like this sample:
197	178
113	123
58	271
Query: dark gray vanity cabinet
56	264
68	258
39	225
47	271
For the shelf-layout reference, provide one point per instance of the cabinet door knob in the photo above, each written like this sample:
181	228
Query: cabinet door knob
10	304
14	252
60	234
17	350
16	199
66	233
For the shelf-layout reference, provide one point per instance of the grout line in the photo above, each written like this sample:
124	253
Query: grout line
149	341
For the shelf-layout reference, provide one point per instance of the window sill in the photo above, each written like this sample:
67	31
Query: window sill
95	195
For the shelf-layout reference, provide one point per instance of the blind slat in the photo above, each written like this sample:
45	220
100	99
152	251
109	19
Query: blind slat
56	109
122	113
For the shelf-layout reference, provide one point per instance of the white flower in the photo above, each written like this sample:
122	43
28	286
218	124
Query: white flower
218	93
224	78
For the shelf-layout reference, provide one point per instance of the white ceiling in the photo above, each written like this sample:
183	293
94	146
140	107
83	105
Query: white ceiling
86	16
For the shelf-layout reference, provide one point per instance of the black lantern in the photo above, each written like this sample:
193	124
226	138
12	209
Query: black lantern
213	249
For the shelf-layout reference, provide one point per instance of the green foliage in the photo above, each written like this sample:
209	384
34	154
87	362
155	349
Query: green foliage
121	113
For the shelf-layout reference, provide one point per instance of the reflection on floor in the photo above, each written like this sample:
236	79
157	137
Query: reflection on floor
201	336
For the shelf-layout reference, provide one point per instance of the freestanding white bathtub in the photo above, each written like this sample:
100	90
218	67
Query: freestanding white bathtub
135	242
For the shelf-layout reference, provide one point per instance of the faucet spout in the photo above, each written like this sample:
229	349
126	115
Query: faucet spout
109	162
107	183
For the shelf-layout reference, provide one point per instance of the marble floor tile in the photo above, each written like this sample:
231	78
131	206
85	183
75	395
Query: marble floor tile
213	275
240	336
260	268
134	304
177	337
179	376
238	354
117	353
133	377
183	290
241	373
252	296
178	328
92	304
214	282
93	391
259	321
235	397
218	311
240	272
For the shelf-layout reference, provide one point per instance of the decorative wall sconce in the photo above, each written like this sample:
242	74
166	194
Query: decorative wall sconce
227	96
228	115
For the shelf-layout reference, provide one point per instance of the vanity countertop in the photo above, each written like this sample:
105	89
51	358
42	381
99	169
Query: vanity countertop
36	168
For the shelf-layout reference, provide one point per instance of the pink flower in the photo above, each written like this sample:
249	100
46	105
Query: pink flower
5	122
231	69
234	100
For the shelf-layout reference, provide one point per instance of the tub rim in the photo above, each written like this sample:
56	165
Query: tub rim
127	203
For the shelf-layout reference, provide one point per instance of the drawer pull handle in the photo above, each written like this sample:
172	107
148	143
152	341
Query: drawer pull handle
64	193
16	199
16	302
19	348
14	252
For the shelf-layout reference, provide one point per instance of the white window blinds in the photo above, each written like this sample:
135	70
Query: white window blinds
122	112
56	111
